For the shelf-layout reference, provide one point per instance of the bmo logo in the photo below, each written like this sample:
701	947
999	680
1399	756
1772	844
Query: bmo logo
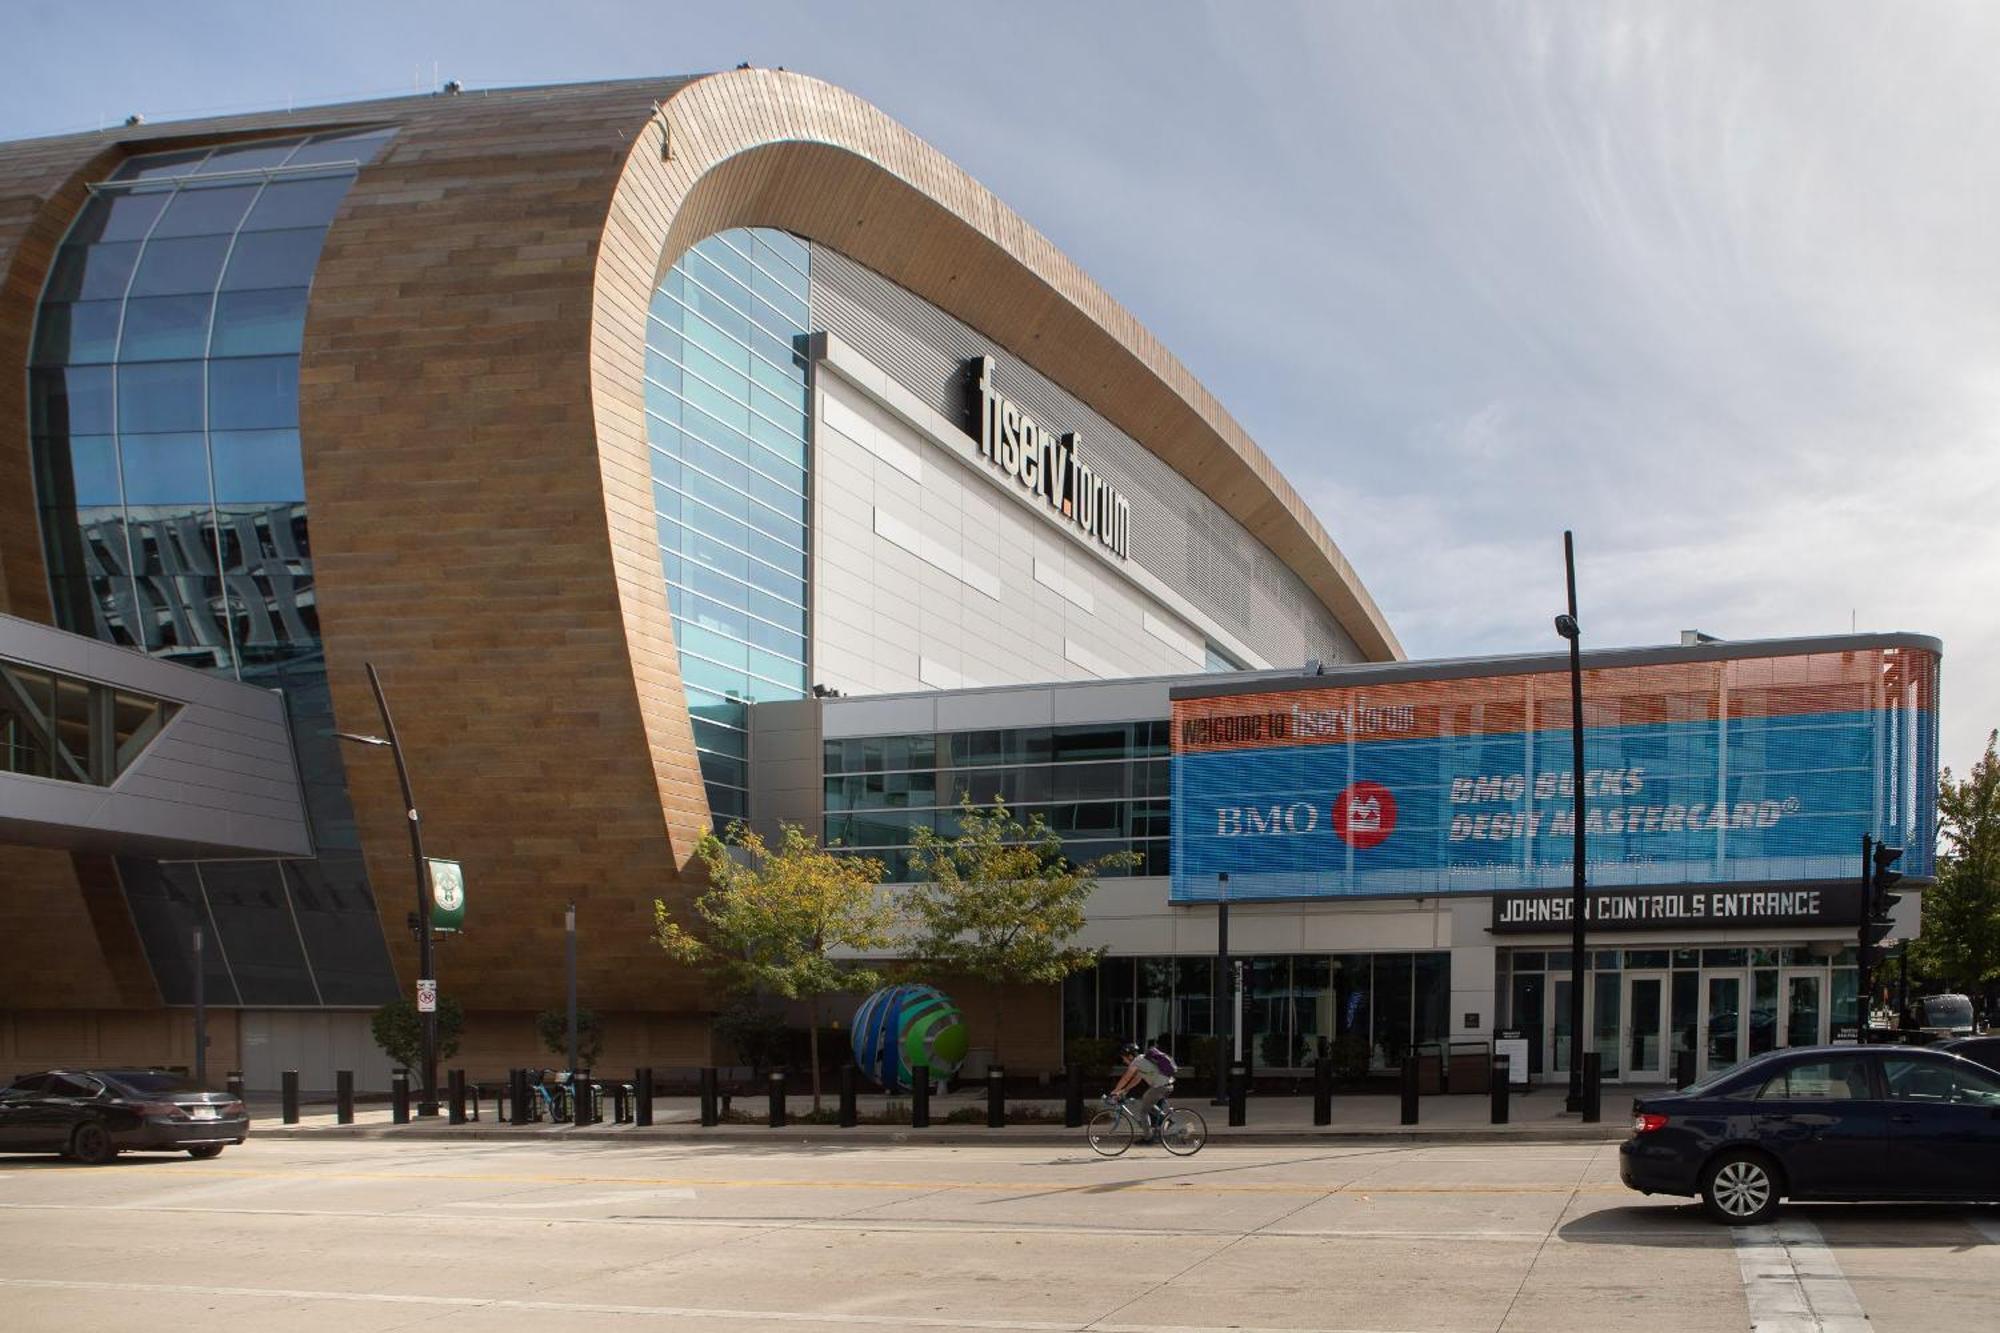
1266	821
1364	815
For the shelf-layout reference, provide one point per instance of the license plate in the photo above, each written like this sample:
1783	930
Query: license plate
205	1112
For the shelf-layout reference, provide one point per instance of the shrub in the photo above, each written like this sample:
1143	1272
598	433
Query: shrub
552	1025
756	1033
398	1029
1094	1055
1350	1056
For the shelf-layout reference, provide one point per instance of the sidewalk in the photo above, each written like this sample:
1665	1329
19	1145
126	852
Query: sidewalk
1536	1117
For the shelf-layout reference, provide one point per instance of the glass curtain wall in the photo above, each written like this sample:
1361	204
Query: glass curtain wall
1103	787
163	405
1292	1003
727	419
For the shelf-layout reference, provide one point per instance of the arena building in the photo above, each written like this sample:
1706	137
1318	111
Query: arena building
610	424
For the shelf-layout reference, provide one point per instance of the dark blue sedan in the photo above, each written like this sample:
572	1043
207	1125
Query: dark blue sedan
1822	1122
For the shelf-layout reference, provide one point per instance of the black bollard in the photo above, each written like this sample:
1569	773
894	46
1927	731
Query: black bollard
399	1097
291	1085
1410	1086
343	1097
850	1079
642	1097
455	1095
777	1099
583	1110
233	1085
518	1110
996	1097
709	1114
1073	1097
1239	1094
1593	1087
920	1097
1497	1076
621	1103
1683	1069
1322	1091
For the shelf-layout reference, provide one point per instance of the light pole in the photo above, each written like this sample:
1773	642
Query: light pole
569	931
1222	989
1567	627
428	1105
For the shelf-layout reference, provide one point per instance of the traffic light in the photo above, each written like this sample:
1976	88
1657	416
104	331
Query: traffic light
1878	877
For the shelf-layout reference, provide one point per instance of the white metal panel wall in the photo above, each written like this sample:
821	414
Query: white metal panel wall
927	575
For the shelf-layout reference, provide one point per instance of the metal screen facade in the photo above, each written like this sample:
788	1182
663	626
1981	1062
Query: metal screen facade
1739	769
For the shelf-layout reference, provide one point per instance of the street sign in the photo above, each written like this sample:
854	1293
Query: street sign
447	896
427	995
1510	1045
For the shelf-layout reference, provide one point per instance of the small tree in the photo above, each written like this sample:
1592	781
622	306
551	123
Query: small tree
1001	902
399	1030
755	1032
1960	944
772	918
552	1026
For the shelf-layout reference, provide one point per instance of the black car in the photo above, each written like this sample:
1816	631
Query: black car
1985	1050
95	1114
1822	1122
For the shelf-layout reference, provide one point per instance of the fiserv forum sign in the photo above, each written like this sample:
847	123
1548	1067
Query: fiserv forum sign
1049	466
1703	767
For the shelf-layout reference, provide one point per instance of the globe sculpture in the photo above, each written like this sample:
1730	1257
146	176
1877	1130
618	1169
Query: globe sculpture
899	1027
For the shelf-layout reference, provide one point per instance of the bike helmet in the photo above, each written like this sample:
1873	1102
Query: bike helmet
1129	1048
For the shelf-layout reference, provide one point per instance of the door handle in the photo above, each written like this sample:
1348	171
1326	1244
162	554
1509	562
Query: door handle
1902	1118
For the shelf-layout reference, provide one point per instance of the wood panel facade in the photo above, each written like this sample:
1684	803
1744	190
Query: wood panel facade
471	412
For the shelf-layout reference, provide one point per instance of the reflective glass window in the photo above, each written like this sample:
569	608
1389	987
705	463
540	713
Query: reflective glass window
165	469
182	163
245	157
205	210
121	215
163	396
299	203
179	264
77	334
358	146
253	393
92	272
93	466
274	258
248	323
257	465
165	328
76	400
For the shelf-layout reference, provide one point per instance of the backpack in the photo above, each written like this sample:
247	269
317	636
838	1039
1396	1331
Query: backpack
1162	1061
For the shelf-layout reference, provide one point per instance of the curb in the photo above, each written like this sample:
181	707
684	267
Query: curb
943	1136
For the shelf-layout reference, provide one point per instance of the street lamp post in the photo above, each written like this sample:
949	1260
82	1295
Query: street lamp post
1222	992
428	1105
1567	627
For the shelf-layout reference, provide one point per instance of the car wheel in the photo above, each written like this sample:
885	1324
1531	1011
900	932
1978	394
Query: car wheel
206	1151
1740	1189
91	1144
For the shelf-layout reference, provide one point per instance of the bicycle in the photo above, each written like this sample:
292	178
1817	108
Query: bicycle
1112	1130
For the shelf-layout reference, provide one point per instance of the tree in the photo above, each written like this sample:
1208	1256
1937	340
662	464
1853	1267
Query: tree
1960	944
772	918
552	1025
1000	901
399	1030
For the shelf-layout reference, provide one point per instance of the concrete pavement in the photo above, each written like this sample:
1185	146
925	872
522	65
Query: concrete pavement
375	1235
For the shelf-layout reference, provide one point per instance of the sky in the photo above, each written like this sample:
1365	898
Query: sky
1717	286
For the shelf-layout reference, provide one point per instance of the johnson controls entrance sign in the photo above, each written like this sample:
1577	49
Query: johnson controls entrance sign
1713	771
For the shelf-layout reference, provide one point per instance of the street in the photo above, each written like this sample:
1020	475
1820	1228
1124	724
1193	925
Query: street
366	1235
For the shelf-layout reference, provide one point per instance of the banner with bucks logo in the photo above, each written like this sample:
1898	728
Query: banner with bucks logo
447	896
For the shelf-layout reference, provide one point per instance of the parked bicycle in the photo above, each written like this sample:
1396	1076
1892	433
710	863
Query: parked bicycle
1113	1129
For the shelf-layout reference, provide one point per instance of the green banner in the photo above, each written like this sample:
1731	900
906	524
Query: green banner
447	896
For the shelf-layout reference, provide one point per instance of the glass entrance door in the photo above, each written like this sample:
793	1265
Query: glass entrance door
1528	1015
1805	1008
1645	1028
1559	1033
1722	1020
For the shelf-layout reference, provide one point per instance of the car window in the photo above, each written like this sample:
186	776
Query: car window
1841	1078
1941	1081
73	1085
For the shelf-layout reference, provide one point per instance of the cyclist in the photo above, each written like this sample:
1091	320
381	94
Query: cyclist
1154	1069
